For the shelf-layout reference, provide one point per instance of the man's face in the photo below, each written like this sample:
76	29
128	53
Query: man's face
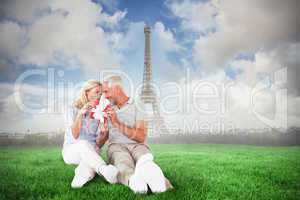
108	92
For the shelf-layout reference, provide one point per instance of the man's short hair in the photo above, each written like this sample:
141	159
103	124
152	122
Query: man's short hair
114	80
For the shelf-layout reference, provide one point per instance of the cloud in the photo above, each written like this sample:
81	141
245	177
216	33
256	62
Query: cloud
63	31
248	27
266	63
231	103
195	16
239	27
12	37
22	11
112	5
113	20
80	34
165	38
253	38
26	106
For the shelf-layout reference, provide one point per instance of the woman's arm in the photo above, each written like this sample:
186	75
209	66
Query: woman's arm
76	126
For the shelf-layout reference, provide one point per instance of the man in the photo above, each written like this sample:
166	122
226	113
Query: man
127	132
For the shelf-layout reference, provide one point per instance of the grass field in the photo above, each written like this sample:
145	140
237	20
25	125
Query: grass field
198	171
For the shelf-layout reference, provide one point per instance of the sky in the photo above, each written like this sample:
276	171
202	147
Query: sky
232	64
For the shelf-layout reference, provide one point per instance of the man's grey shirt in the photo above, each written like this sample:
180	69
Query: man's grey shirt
129	114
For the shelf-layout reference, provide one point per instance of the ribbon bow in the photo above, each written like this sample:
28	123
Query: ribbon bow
100	109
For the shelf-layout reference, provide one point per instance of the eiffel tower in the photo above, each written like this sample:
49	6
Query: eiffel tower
156	125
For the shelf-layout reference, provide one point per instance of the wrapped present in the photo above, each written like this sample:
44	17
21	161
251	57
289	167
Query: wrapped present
99	112
94	104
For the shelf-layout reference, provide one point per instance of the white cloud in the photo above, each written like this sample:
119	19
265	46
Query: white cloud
110	4
241	26
33	107
68	30
12	37
235	104
165	38
267	29
22	11
247	27
113	20
195	16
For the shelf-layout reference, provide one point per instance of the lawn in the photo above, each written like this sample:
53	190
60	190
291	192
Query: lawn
197	171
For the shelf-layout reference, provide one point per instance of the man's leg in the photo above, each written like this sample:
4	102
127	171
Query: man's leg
119	155
144	162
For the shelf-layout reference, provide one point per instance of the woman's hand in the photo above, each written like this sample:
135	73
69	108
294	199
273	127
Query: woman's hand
88	106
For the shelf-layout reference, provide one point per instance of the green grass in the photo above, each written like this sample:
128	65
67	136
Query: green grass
198	171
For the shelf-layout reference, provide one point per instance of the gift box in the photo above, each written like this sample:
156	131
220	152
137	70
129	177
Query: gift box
100	108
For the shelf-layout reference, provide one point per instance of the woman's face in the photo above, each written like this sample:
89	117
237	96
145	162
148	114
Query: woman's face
93	94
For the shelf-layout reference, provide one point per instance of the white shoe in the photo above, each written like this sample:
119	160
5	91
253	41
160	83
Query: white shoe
79	181
109	172
151	173
82	176
154	177
137	184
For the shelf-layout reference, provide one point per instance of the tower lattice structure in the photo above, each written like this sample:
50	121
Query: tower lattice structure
156	125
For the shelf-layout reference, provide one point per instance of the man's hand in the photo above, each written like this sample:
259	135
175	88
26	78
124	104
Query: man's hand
103	135
113	116
102	138
138	132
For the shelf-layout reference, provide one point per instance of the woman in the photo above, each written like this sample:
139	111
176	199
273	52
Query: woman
83	139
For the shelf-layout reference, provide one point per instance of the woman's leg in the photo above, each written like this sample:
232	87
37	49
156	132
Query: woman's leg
82	151
88	158
83	173
71	154
89	155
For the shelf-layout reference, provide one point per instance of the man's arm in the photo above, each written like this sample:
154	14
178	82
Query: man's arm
138	132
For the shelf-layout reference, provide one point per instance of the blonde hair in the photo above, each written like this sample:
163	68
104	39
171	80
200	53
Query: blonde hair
82	100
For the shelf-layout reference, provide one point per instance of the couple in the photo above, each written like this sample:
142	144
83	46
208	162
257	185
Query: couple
131	161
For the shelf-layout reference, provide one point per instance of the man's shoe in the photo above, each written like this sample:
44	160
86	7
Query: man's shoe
137	184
